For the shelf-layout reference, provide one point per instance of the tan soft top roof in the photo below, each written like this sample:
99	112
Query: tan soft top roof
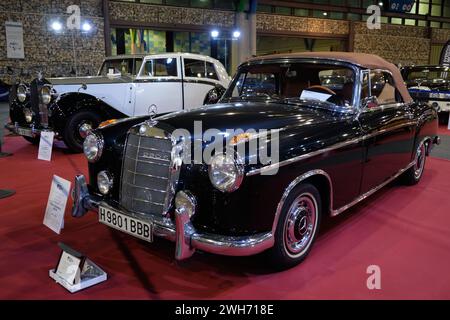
364	60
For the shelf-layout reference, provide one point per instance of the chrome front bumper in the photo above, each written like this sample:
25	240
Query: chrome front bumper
182	232
15	128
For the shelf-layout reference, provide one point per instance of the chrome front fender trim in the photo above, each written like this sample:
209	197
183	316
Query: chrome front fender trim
292	185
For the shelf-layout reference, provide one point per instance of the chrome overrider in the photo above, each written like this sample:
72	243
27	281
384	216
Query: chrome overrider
182	232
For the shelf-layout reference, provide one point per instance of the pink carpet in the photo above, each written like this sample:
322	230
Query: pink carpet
404	230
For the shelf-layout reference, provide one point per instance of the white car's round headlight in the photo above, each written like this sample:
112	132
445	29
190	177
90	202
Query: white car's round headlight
105	182
226	173
46	94
93	146
22	93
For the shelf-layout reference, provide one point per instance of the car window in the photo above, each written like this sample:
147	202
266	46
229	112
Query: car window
383	87
122	66
161	67
305	81
200	69
428	74
137	65
211	71
257	84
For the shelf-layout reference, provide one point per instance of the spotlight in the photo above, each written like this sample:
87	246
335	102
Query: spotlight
236	34
214	34
325	14
86	26
56	26
380	4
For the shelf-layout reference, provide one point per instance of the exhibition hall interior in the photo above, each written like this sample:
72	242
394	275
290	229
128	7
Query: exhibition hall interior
225	150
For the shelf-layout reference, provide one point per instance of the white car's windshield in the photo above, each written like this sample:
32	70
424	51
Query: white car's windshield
126	66
306	81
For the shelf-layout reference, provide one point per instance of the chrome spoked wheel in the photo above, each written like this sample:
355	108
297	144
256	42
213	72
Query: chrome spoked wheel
300	225
419	161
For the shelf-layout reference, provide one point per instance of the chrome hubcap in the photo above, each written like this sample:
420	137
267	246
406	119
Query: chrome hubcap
420	161
84	129
300	224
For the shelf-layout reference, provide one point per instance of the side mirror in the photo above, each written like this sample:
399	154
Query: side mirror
370	103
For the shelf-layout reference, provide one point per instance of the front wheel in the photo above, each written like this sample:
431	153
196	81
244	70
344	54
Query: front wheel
413	175
78	127
297	227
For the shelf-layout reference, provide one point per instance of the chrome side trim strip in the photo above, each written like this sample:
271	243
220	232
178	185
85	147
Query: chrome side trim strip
328	149
370	192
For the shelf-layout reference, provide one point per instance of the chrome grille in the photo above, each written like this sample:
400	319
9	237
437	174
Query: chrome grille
146	174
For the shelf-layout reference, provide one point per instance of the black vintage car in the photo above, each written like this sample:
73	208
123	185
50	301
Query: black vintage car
430	84
335	148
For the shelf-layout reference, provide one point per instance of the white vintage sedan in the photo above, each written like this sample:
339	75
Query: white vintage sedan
125	86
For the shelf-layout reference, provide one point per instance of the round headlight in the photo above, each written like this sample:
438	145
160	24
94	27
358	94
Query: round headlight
185	202
105	182
46	94
226	173
22	93
93	146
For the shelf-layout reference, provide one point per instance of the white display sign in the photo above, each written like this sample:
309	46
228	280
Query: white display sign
69	268
56	204
46	145
14	40
312	95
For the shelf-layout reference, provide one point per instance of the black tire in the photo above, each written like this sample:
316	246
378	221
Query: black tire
31	140
413	175
71	135
284	254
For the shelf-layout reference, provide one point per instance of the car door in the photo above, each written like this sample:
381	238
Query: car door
388	128
158	84
199	76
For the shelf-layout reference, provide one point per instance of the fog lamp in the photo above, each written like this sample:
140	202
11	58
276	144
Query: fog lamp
105	182
185	202
28	115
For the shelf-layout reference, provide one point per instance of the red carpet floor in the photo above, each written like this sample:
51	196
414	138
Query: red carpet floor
404	230
443	130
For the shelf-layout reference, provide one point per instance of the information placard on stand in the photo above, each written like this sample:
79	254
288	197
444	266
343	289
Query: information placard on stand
75	272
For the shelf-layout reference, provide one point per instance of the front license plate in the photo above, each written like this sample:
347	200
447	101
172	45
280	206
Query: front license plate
24	132
139	229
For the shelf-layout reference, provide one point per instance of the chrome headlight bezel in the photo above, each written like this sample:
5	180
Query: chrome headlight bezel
226	172
186	202
105	182
46	94
93	146
22	92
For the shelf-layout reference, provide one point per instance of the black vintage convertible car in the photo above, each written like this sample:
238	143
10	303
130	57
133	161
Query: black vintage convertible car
335	147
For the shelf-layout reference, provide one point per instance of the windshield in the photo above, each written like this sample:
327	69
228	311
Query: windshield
126	67
305	81
428	75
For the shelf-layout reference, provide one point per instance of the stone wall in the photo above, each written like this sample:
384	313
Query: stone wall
152	14
398	44
44	49
274	23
